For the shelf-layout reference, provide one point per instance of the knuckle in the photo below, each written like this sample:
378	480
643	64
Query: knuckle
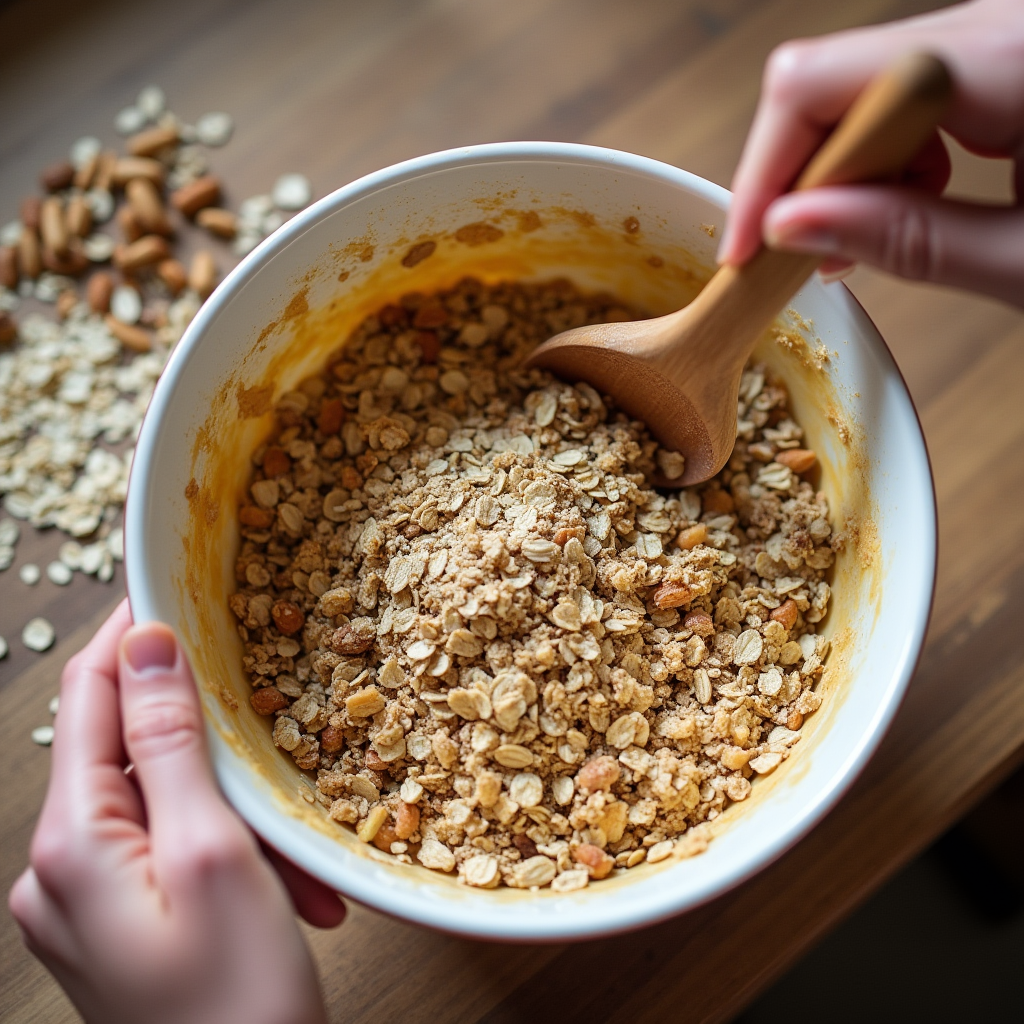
162	727
21	904
218	852
782	70
54	857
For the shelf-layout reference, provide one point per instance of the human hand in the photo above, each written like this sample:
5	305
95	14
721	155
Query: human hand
904	228
146	896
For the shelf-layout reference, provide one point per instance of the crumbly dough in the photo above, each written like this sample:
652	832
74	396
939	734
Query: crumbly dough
502	653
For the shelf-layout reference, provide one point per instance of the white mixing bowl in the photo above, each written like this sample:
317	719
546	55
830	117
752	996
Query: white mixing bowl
559	210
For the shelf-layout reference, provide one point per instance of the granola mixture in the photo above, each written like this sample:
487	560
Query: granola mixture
503	653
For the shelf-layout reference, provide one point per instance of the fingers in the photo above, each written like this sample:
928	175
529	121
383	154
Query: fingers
163	734
908	233
314	902
88	731
42	926
88	727
807	86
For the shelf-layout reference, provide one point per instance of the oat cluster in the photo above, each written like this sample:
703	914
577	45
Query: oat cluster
500	650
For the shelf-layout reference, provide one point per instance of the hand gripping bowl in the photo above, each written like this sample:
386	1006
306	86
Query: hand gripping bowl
526	211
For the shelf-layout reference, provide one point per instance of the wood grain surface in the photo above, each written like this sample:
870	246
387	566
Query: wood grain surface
338	89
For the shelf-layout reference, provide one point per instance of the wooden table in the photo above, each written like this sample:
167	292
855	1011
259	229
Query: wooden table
339	89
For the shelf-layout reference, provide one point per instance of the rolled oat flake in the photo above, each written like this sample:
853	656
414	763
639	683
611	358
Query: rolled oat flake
215	128
29	574
126	304
129	121
43	735
59	573
151	101
292	192
38	635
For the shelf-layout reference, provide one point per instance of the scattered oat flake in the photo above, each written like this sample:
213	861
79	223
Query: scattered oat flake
43	735
30	574
214	129
292	192
38	634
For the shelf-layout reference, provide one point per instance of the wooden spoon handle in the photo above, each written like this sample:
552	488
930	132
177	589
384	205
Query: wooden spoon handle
883	130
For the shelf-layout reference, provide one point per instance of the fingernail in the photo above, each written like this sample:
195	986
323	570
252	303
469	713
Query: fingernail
150	647
801	238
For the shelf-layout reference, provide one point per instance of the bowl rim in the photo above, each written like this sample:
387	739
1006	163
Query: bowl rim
593	918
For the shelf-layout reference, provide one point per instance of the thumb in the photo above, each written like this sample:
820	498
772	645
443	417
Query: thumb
163	733
908	233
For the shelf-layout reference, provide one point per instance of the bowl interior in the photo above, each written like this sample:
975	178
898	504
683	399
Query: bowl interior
524	212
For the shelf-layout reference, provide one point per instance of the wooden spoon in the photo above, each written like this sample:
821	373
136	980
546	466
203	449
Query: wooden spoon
680	373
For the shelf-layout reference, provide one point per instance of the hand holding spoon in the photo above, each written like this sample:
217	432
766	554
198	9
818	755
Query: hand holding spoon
680	373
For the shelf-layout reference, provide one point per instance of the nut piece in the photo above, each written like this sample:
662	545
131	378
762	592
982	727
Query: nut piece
8	329
276	461
78	216
148	207
52	228
66	301
152	141
691	537
268	700
30	259
600	773
196	195
346	640
142	253
331	740
57	176
172	273
700	622
786	613
672	595
8	267
222	223
138	339
407	822
331	416
371	826
129	167
202	274
98	291
799	460
594	859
